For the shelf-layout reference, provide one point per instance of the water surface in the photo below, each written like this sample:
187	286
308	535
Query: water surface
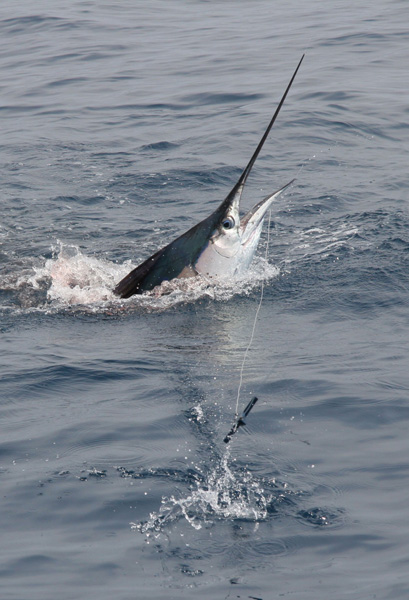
122	126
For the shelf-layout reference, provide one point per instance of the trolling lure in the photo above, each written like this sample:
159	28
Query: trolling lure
240	421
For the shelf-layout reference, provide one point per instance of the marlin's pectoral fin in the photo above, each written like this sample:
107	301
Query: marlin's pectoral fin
188	272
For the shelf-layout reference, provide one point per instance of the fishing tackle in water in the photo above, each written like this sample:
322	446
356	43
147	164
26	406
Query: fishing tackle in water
240	421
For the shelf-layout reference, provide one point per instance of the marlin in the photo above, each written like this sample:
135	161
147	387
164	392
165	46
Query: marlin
219	247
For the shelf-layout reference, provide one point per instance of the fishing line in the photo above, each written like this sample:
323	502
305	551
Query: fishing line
240	420
254	323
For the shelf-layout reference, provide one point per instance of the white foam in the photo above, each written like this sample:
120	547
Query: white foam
73	278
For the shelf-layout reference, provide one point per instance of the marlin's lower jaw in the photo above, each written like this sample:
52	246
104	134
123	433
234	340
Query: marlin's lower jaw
253	220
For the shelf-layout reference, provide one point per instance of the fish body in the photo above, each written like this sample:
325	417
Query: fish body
219	247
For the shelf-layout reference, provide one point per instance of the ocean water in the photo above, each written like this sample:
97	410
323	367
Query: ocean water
122	125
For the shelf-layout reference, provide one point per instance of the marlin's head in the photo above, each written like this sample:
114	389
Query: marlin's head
234	240
220	246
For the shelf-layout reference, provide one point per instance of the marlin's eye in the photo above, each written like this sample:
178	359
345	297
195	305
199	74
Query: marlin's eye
228	223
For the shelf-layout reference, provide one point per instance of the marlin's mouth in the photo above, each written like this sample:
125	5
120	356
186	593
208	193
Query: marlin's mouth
253	220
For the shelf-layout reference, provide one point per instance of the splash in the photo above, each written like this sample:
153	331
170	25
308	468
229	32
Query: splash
221	495
73	278
228	493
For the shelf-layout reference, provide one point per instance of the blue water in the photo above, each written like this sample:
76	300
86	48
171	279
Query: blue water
123	124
